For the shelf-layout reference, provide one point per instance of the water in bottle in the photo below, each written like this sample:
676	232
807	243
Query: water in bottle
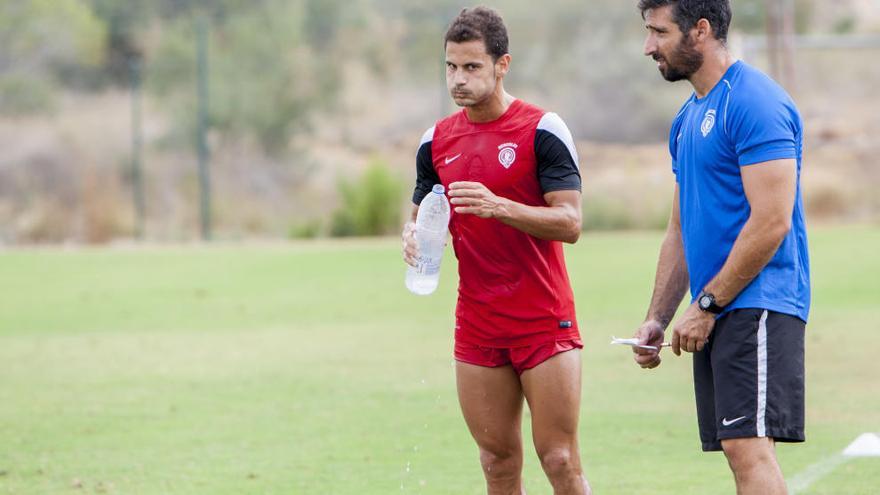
432	222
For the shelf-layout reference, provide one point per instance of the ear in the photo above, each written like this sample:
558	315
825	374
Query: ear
502	65
703	30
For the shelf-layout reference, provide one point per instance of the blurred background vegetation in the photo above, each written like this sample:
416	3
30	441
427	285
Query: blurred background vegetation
315	108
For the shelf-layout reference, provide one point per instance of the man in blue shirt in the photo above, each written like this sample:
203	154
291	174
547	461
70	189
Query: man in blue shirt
736	237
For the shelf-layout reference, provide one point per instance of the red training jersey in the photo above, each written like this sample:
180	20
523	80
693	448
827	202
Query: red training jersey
513	288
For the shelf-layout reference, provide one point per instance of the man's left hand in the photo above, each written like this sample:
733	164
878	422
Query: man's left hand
692	330
473	198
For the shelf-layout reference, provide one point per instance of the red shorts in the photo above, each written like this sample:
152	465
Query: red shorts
521	358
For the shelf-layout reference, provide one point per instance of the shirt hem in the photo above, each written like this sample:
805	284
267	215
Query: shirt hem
800	313
766	156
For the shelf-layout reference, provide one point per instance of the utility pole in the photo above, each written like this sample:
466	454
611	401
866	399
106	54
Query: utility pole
447	105
137	144
772	27
788	75
780	41
202	127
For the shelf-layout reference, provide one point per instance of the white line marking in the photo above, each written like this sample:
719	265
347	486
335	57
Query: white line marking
866	445
815	472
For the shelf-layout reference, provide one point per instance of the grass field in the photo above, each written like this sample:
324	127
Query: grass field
308	369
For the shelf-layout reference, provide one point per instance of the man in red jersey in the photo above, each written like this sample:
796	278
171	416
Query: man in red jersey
511	170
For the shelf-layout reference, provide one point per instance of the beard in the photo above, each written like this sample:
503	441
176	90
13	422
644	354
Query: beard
685	60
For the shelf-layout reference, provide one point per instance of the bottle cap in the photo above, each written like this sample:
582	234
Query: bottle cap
438	188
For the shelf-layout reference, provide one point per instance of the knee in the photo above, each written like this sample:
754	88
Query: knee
745	454
559	462
501	464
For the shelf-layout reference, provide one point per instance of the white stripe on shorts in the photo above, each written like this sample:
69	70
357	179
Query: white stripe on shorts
762	376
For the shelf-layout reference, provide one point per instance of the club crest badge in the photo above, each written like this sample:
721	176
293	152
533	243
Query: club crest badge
507	154
708	123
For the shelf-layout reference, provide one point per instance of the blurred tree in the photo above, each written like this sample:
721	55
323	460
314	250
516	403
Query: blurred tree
271	66
38	39
124	19
276	62
750	16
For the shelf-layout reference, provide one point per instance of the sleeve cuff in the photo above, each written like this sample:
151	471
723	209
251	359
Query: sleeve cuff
772	151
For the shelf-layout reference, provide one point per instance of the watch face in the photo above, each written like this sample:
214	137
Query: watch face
705	302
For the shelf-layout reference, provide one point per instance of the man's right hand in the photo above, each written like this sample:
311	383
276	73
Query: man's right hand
410	245
649	333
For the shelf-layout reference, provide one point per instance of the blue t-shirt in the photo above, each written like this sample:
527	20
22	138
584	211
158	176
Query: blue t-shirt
746	119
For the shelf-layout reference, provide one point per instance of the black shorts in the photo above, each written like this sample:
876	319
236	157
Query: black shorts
749	378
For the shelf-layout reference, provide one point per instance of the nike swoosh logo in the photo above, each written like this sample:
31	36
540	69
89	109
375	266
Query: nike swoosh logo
725	422
452	158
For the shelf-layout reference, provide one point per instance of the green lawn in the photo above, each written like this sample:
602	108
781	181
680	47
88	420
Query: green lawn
308	369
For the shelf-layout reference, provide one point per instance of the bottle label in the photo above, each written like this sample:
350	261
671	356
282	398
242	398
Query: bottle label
428	265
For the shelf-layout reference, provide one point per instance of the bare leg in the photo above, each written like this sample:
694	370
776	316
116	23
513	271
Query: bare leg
491	400
754	466
553	390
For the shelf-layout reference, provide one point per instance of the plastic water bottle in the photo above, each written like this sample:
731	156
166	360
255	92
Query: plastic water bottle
432	223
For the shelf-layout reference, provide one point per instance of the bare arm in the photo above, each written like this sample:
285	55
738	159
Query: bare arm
670	286
770	188
560	220
671	280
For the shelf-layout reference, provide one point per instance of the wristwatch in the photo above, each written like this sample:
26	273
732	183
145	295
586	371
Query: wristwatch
706	302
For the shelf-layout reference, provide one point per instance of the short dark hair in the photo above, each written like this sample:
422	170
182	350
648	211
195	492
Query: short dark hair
686	13
480	23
